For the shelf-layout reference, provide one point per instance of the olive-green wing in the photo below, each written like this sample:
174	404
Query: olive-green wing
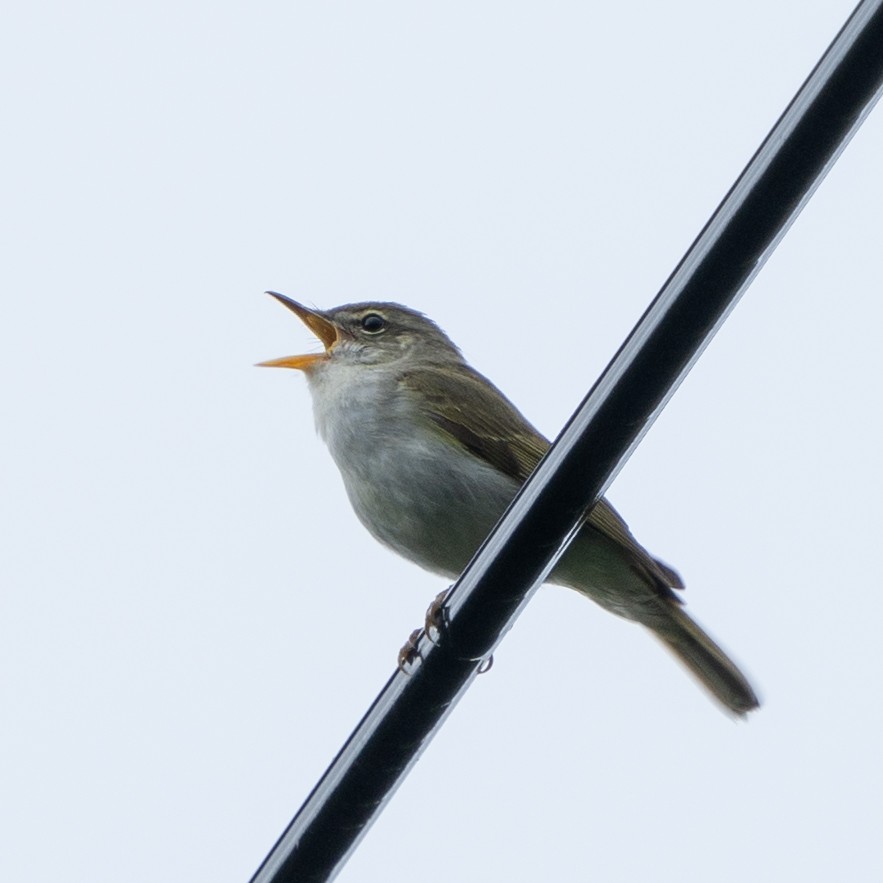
494	430
606	520
473	412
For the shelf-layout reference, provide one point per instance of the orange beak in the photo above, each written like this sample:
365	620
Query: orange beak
326	331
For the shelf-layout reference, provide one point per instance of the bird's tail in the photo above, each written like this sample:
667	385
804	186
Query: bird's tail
714	669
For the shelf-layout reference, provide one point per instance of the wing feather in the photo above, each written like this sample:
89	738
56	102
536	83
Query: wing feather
494	430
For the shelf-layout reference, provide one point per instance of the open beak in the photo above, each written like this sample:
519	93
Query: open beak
326	331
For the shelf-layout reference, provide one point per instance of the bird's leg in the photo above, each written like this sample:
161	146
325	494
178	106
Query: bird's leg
436	622
435	617
409	655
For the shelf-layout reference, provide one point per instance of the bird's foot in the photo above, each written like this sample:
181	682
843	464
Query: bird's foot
436	620
409	655
433	628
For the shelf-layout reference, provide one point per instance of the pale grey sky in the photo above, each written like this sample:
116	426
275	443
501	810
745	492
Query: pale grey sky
193	621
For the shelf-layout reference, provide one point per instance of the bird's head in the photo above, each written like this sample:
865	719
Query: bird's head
368	334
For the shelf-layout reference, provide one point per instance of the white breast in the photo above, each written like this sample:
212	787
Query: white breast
413	487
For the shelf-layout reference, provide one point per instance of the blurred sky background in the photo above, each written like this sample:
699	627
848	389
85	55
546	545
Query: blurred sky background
192	619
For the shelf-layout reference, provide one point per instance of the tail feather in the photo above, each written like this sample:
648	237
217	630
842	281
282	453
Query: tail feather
699	653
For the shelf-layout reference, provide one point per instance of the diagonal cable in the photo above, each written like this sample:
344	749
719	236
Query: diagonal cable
591	449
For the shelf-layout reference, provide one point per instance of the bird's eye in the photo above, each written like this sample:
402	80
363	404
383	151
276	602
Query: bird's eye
373	323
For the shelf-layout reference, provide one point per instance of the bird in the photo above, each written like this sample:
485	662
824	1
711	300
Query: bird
431	453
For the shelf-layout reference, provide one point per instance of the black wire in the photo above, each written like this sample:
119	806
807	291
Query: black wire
595	443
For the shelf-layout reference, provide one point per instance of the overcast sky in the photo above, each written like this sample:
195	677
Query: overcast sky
192	619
